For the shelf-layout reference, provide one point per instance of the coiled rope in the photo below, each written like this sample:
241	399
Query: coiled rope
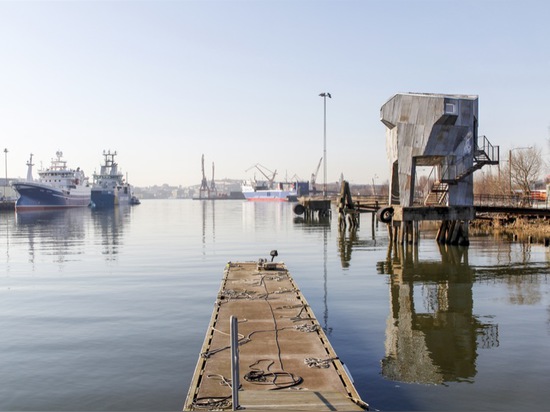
319	363
307	328
213	403
280	379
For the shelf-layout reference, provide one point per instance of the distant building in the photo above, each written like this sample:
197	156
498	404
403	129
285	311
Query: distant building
6	191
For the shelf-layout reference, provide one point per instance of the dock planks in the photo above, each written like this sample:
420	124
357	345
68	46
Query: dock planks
286	361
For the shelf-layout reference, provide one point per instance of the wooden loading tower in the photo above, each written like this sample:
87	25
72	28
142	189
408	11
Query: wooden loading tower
439	132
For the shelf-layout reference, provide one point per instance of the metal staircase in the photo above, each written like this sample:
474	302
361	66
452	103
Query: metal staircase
486	154
437	194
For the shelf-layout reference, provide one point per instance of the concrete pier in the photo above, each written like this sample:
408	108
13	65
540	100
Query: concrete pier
285	361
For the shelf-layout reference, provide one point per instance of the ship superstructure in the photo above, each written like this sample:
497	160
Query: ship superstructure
109	187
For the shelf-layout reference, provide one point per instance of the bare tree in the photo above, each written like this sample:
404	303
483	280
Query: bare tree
491	182
526	166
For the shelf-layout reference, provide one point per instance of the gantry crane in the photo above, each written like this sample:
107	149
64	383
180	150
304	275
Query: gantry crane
204	184
213	190
314	177
271	179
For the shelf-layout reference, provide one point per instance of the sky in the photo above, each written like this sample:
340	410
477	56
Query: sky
165	82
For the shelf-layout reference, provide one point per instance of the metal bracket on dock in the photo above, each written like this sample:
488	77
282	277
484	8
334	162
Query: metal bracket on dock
263	264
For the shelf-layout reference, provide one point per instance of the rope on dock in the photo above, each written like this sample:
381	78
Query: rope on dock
307	328
237	294
279	379
217	403
261	377
223	380
299	317
269	372
319	363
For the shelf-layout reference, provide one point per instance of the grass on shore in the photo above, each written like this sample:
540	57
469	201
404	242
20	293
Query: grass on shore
522	229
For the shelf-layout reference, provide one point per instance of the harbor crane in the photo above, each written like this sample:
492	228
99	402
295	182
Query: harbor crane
204	184
261	169
314	176
213	189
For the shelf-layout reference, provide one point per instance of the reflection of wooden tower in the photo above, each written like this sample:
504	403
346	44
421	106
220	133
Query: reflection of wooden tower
433	338
213	190
204	191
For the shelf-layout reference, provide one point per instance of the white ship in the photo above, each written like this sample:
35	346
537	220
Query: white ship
57	187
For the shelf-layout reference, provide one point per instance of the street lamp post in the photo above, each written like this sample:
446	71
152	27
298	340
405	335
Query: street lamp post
6	170
324	95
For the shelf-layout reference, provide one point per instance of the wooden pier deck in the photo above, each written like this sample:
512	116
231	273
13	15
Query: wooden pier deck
285	359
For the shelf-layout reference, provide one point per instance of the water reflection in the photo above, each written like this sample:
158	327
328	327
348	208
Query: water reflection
315	221
319	224
52	232
110	224
63	233
7	219
432	335
348	241
204	213
258	215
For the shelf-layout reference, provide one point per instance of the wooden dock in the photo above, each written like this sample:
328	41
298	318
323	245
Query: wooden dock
285	361
311	206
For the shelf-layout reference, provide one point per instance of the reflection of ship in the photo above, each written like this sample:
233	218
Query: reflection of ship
67	222
109	187
109	222
57	187
432	335
271	191
54	232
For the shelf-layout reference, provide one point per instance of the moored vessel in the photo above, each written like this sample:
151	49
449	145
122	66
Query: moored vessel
270	191
276	192
109	187
57	187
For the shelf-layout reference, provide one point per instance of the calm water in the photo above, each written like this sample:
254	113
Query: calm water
108	310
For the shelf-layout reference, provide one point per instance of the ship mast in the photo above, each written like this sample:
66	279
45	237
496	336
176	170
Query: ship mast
29	170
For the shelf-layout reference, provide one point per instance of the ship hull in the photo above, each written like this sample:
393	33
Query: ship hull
35	196
108	198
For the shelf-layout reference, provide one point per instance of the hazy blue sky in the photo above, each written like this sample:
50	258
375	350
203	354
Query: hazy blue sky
163	82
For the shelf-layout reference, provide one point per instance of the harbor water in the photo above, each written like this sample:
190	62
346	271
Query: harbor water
107	309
